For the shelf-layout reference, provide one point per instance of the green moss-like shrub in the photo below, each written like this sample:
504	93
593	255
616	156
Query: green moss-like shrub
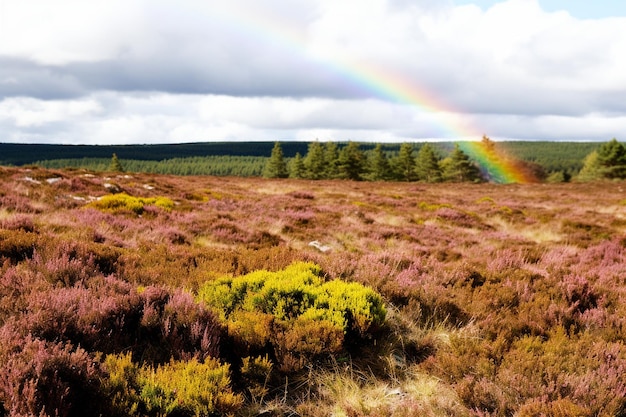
116	203
179	388
294	310
297	291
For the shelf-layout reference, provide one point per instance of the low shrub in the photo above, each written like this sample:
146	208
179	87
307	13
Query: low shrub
124	203
50	379
300	315
16	285
68	262
17	245
255	375
102	318
18	203
178	388
558	408
305	340
19	222
109	316
250	331
66	269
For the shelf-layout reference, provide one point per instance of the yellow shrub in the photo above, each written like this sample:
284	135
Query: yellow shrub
181	387
296	291
359	304
194	388
256	372
301	315
121	385
433	207
122	202
250	328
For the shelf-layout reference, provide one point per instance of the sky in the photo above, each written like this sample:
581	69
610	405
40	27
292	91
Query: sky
158	71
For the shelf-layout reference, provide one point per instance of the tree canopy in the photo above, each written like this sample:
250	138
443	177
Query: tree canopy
380	170
116	165
427	165
314	161
607	162
351	162
458	167
276	166
405	163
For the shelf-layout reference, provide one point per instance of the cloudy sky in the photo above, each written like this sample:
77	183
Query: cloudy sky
159	71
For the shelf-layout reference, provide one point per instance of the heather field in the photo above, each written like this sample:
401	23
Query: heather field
150	295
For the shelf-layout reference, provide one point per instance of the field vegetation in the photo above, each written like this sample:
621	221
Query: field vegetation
127	294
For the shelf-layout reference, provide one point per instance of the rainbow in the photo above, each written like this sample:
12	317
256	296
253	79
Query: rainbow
381	83
496	165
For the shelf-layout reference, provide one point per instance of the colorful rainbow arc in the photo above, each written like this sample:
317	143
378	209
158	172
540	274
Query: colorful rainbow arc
496	166
381	83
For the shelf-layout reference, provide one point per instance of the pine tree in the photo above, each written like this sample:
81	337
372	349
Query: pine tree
314	161
612	160
276	166
488	145
297	168
331	159
459	168
351	162
427	165
380	170
607	162
116	165
591	168
405	163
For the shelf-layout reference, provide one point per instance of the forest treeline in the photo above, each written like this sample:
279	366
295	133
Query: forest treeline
218	165
430	163
548	161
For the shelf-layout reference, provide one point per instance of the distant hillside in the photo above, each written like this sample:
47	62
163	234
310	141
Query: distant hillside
552	156
23	154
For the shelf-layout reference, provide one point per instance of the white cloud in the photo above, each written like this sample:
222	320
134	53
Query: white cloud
69	30
28	112
155	71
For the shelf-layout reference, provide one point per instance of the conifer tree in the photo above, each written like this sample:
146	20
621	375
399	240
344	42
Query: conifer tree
607	162
297	168
331	159
612	160
116	165
427	165
591	168
351	162
276	166
488	145
405	163
314	161
556	177
380	170
459	168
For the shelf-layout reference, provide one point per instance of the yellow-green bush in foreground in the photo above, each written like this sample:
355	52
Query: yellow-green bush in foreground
294	312
123	202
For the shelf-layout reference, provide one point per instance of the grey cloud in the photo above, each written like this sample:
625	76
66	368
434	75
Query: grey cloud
295	80
242	73
610	102
227	63
20	77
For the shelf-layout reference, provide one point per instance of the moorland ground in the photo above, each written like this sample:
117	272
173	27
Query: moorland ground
499	300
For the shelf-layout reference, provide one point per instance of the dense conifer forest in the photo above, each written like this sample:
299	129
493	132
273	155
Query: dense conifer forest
250	158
